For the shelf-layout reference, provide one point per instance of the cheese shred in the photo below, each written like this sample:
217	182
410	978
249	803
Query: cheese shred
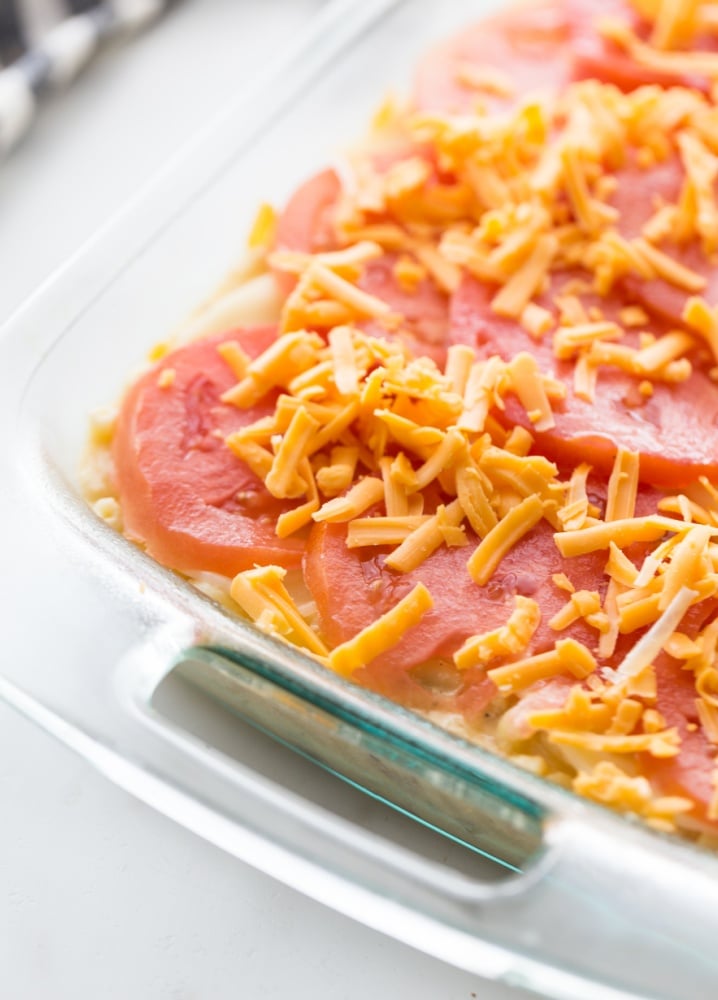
383	634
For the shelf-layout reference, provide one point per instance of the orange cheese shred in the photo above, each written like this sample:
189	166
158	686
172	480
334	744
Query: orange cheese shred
383	634
502	538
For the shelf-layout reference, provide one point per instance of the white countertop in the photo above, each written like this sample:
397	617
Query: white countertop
100	897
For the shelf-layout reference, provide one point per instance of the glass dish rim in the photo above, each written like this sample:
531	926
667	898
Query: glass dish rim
553	799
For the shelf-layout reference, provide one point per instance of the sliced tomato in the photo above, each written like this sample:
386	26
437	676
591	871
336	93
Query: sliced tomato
640	190
354	587
675	431
184	494
665	299
306	225
529	46
306	222
690	772
425	309
540	697
596	57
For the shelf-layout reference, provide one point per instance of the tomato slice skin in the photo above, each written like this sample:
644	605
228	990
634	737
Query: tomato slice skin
637	193
595	57
352	588
666	300
529	46
690	773
639	190
305	224
425	309
184	495
675	431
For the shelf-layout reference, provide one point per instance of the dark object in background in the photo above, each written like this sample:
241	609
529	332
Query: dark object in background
35	61
12	40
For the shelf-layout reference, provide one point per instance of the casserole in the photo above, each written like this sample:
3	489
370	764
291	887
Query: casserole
501	809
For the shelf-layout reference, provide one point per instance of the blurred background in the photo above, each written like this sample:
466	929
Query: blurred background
95	140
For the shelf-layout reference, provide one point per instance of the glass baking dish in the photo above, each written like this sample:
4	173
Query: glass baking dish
118	657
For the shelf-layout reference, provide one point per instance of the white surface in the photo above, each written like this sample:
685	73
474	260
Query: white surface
99	896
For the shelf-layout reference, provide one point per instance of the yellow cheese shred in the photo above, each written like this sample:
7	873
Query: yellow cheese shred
263	228
487	79
668	268
346	375
704	320
338	475
661	745
292	449
526	382
371	531
581	604
623	532
573	514
261	594
515	295
299	517
383	634
688	564
425	539
580	712
568	340
237	359
567	657
345	292
536	320
502	538
708	716
474	500
622	486
691	64
511	639
459	359
364	494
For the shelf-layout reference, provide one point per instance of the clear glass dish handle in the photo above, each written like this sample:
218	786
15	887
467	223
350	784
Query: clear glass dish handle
589	917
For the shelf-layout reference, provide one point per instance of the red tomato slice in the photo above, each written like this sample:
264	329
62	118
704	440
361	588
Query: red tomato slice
690	772
541	697
666	300
425	310
637	194
184	495
306	225
353	587
676	430
639	191
529	46
596	57
306	222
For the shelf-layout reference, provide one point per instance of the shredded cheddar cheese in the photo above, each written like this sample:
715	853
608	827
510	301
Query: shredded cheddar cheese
623	532
528	386
264	227
567	656
261	594
425	539
509	640
412	458
361	496
622	486
418	463
502	537
385	633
